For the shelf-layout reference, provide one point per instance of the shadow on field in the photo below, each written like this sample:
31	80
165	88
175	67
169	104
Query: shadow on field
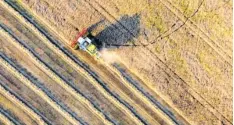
114	35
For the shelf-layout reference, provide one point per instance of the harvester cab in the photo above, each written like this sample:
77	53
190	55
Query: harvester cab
87	42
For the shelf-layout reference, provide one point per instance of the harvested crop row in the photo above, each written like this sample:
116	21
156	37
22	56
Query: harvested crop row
4	120
23	110
34	87
146	92
7	116
36	103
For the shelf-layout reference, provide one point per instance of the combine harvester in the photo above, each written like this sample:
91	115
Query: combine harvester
87	42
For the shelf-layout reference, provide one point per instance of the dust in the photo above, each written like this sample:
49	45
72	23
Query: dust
109	56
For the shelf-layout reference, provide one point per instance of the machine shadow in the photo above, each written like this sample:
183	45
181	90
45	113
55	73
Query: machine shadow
115	35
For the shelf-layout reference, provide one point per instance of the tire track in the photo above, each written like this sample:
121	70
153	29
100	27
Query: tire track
28	108
38	87
7	117
160	64
76	60
194	28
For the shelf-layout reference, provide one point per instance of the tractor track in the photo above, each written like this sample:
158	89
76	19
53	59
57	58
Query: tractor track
15	98
160	64
7	115
38	87
75	59
201	33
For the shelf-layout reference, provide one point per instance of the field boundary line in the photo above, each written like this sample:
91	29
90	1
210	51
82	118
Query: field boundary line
163	66
34	87
71	62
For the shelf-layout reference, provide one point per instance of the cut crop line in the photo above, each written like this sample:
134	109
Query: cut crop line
163	66
127	78
7	118
198	31
35	88
90	73
17	100
127	75
137	92
4	61
70	90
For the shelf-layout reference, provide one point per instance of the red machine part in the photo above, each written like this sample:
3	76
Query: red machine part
77	37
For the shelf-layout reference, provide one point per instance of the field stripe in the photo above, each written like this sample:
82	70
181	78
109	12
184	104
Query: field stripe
13	97
43	95
137	86
5	117
96	78
5	120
